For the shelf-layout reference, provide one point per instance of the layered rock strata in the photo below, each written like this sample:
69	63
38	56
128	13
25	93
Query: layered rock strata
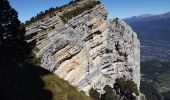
89	51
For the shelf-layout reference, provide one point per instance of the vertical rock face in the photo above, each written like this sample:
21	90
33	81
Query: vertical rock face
89	51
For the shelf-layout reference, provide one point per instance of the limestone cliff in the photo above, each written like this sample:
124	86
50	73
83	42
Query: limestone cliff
88	50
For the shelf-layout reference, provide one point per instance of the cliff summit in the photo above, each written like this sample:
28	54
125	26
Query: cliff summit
79	44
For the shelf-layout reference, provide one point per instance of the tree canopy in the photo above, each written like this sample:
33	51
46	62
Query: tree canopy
12	32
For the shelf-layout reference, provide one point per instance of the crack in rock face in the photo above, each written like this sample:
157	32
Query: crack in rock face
89	51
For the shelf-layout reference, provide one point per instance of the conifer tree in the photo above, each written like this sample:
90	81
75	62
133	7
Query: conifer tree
12	33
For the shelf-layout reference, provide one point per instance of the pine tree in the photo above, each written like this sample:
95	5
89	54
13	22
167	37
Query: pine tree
12	33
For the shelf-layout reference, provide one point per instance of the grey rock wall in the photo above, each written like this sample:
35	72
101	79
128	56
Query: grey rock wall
89	51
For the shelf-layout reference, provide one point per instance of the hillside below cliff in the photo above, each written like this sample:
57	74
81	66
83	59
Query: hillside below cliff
31	82
79	44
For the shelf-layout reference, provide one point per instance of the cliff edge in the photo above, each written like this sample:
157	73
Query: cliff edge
87	50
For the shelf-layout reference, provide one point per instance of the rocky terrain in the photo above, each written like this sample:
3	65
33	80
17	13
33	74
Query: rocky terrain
87	50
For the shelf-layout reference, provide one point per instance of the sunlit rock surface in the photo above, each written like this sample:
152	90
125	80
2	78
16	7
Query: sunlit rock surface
89	51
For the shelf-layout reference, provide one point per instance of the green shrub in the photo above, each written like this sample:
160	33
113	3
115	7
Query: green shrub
127	85
125	89
109	94
94	94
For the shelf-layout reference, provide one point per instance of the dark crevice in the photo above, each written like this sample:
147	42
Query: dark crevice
74	27
70	70
111	73
89	37
97	32
118	49
120	53
117	46
30	36
108	50
97	45
118	60
90	26
58	49
125	55
110	70
106	66
104	51
42	37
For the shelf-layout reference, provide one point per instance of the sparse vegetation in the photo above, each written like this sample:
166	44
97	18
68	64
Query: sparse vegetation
108	95
31	82
126	89
94	94
66	16
127	85
73	13
42	15
123	89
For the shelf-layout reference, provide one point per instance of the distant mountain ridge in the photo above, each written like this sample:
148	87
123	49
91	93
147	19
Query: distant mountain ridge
154	34
147	17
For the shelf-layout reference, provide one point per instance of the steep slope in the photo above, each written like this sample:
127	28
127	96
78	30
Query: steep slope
87	50
154	33
31	82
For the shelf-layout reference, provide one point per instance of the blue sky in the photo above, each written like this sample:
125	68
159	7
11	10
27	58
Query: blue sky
117	8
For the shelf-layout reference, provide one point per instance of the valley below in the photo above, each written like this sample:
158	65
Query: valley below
153	33
155	50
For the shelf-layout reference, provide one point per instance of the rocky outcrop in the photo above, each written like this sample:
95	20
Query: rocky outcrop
89	51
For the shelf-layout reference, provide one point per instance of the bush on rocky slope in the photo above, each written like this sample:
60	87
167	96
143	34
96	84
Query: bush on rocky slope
126	89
